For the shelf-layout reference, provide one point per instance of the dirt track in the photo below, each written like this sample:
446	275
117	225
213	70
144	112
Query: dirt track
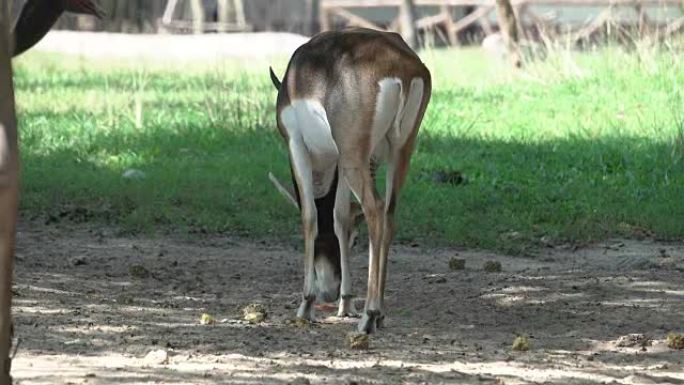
87	313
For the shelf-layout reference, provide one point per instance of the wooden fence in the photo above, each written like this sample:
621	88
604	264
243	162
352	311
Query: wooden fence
146	16
452	21
450	18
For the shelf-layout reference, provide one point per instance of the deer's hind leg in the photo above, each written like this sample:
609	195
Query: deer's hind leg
358	173
401	140
361	183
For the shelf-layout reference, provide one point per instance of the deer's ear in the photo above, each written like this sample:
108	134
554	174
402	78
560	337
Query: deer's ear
287	193
274	79
86	7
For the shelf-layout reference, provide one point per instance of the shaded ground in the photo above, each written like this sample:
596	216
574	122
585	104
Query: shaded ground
90	305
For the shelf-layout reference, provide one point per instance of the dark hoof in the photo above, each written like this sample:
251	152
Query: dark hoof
369	322
380	321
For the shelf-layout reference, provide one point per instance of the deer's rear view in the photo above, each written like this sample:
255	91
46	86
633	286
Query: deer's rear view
349	101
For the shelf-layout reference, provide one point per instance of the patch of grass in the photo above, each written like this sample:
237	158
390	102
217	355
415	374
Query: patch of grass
577	148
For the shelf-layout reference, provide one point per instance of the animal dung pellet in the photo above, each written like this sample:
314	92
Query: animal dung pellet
207	319
492	267
301	322
358	341
521	344
632	340
138	271
254	313
456	264
675	341
156	357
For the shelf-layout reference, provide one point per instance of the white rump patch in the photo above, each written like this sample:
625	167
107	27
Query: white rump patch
307	126
410	110
395	114
388	106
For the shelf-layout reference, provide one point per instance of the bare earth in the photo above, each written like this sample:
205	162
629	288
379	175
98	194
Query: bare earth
90	306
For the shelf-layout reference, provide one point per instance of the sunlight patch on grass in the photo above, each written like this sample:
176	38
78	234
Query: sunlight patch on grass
578	147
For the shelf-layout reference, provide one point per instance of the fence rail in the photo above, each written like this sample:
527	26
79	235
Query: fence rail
452	21
450	18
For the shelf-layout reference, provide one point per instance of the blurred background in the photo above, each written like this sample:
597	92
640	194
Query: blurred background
469	20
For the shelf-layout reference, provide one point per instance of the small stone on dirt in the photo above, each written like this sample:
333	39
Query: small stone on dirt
157	357
358	341
521	344
435	278
254	313
125	299
511	235
547	241
675	341
456	264
78	261
632	340
300	381
133	174
451	177
138	271
492	267
207	319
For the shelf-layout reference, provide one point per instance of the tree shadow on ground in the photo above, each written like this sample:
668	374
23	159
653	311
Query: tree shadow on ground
78	296
206	154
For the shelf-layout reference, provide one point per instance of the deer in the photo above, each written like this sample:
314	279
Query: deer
34	21
38	16
349	101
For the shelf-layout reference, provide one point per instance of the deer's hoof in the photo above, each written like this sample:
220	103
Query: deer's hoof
369	321
305	311
346	308
380	321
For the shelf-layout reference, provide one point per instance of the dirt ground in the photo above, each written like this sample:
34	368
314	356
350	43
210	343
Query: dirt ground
91	305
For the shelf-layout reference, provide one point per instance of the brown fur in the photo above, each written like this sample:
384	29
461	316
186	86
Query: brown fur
9	193
342	71
37	17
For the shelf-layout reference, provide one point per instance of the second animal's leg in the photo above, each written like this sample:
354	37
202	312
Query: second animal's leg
343	229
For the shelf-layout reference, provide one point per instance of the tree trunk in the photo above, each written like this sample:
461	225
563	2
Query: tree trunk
407	23
508	26
197	16
313	10
9	192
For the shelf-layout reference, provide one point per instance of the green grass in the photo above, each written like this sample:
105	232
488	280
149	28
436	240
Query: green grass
577	148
